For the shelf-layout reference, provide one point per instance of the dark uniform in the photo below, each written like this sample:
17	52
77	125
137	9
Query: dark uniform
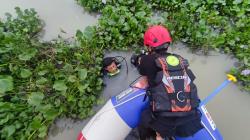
167	126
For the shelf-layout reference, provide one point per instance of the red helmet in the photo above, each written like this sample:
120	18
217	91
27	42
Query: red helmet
156	36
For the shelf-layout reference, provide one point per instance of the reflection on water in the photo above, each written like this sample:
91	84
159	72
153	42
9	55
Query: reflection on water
62	17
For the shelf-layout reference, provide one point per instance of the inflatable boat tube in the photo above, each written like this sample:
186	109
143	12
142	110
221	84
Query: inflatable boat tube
121	113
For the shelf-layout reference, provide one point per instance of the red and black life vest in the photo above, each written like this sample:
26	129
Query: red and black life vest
175	93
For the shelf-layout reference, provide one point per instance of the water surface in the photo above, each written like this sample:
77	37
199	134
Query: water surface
230	109
59	15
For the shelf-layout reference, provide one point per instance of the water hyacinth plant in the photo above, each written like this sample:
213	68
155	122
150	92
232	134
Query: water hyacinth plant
203	25
40	81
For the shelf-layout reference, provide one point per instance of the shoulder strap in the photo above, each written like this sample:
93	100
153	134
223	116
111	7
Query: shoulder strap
161	62
167	82
187	80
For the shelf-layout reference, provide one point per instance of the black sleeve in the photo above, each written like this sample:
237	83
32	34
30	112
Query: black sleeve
147	65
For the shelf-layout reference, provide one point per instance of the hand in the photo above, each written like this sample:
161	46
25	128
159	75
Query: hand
134	60
158	136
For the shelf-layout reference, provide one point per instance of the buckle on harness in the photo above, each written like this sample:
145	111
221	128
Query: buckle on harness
180	96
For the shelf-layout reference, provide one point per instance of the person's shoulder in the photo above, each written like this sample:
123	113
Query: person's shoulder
148	61
184	60
149	57
177	55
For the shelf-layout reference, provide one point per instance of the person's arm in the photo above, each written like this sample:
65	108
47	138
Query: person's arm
148	68
145	65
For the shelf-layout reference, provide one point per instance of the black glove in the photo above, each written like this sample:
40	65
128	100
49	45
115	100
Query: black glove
134	60
185	63
135	57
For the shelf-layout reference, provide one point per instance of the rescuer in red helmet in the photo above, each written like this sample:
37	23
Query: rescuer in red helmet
172	94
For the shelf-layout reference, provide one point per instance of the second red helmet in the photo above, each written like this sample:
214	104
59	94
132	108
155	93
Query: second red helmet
156	36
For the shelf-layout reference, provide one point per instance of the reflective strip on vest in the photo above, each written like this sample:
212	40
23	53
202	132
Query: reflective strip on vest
168	82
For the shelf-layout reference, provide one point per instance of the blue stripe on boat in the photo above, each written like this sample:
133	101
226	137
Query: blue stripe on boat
130	111
129	105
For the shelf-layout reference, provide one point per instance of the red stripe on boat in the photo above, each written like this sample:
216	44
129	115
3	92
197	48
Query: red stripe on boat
81	137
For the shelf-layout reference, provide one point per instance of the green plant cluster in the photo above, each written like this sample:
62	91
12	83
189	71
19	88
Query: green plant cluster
99	5
40	81
122	22
205	25
222	25
92	5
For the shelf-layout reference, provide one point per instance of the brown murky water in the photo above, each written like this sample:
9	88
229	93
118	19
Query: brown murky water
230	109
59	15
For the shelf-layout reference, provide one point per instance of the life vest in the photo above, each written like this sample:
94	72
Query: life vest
175	93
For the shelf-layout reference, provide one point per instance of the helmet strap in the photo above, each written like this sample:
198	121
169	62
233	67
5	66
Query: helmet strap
161	48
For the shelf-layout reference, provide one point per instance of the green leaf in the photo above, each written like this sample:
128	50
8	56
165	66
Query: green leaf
80	104
68	68
89	32
27	54
71	98
237	1
10	130
25	29
111	22
42	131
50	114
82	73
35	98
44	108
246	61
43	72
25	73
41	81
60	86
18	124
36	123
72	78
140	14
6	106
6	83
100	101
223	2
4	120
5	49
79	34
81	88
